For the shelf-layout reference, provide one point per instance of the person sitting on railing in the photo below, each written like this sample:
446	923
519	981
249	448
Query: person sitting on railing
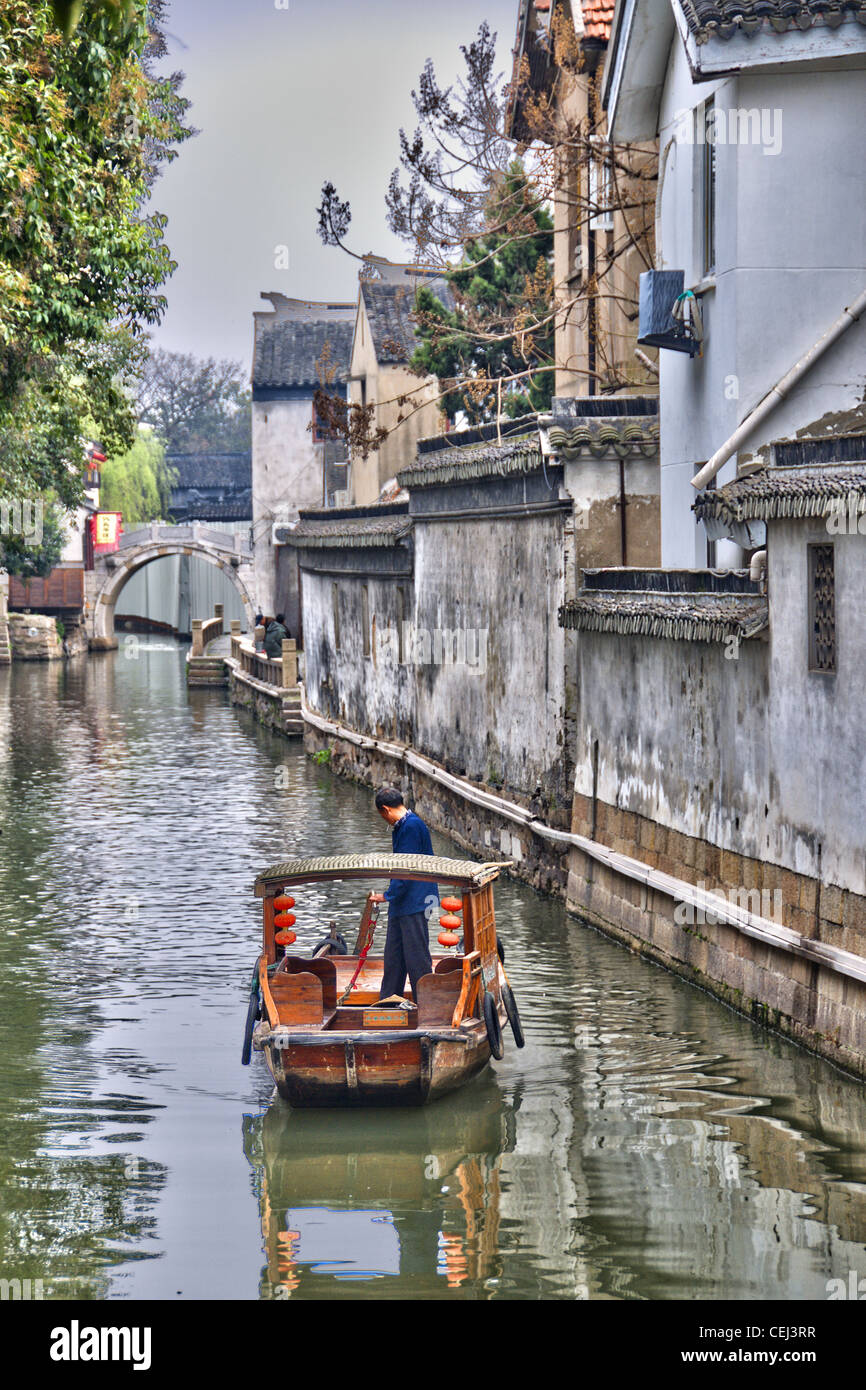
259	641
274	637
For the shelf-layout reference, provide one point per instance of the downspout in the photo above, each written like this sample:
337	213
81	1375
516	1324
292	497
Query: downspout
778	392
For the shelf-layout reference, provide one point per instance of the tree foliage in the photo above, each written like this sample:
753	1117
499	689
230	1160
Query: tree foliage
451	201
85	125
194	405
30	551
137	483
493	352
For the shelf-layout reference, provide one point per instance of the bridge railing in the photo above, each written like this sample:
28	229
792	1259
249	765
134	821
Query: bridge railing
280	672
205	631
155	533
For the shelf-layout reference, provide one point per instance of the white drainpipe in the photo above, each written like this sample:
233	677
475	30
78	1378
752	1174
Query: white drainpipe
778	392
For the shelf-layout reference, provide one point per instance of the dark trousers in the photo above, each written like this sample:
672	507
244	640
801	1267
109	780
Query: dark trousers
407	951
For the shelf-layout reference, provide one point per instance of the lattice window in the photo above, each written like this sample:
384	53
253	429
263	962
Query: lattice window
822	608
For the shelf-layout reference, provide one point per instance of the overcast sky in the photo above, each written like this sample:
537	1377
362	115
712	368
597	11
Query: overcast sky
285	98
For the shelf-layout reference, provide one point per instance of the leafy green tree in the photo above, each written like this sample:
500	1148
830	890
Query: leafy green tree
493	352
84	126
137	483
31	553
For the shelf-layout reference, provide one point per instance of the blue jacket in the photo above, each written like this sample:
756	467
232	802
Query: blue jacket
405	896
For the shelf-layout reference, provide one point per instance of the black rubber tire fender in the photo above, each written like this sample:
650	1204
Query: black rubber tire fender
330	946
513	1016
500	951
254	1013
493	1026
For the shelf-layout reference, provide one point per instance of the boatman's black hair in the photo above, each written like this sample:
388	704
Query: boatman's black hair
388	796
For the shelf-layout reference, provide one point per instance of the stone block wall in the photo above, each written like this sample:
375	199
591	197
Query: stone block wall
806	1001
819	911
34	637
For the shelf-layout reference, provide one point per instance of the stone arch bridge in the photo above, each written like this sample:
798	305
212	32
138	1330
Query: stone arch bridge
103	584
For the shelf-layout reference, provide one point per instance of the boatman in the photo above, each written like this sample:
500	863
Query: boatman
407	944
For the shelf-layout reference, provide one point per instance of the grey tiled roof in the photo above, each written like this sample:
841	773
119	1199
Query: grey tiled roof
697	617
349	528
483	460
623	435
709	19
389	309
237	508
288	351
212	470
784	492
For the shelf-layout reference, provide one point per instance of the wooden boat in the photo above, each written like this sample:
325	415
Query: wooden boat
327	1037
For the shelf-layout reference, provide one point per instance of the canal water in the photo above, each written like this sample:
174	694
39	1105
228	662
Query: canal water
646	1144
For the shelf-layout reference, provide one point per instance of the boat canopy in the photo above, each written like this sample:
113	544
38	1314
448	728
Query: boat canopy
462	873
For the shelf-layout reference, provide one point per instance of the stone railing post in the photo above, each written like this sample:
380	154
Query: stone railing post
218	613
197	638
290	663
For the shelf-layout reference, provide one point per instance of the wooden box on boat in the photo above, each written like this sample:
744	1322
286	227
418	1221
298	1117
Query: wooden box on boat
325	1046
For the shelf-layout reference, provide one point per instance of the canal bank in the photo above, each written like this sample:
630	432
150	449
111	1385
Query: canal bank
634	738
793	983
646	1144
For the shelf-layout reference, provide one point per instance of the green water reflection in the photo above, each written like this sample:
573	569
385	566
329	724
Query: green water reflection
647	1143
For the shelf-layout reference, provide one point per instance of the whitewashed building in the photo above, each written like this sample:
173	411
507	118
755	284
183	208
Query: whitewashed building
758	107
299	347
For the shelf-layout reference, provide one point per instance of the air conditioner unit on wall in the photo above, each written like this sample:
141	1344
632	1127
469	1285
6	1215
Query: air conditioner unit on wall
659	292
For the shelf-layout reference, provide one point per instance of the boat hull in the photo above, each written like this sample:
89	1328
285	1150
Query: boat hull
386	1069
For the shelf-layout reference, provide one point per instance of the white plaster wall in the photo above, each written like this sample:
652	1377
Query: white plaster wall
375	692
816	720
791	255
287	476
504	718
755	754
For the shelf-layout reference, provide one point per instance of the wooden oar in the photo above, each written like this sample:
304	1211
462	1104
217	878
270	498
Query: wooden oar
364	942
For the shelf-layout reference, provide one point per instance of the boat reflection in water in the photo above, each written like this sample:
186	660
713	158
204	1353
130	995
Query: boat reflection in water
364	1195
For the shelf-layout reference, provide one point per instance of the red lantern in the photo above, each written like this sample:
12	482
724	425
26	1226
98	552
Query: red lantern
448	938
452	904
285	938
449	921
285	919
283	902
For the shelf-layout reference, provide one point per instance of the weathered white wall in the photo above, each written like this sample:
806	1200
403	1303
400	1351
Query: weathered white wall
756	754
500	581
287	475
790	255
373	693
815	721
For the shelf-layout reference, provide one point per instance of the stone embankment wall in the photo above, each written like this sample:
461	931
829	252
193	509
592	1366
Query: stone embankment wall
480	831
33	637
636	775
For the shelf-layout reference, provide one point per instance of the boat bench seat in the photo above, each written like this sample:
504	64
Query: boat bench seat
305	991
437	998
322	967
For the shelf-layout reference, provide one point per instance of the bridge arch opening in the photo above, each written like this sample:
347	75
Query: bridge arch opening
126	564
